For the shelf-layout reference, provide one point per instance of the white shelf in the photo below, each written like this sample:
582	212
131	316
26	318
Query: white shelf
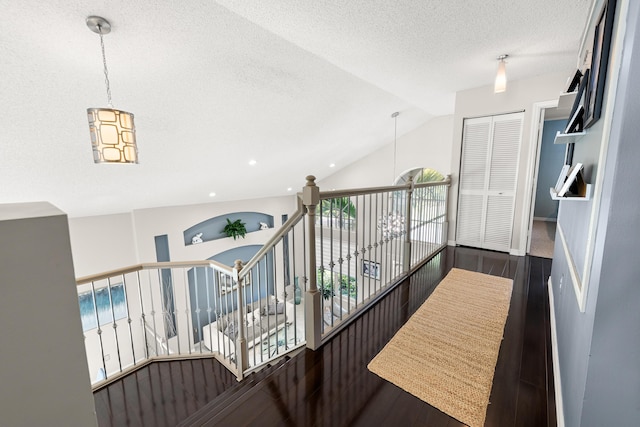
554	195
565	100
568	138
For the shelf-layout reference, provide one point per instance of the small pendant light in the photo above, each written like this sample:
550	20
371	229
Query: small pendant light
501	77
113	134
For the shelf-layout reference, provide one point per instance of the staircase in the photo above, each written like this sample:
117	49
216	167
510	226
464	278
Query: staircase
230	399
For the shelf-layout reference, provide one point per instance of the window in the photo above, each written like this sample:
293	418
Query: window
420	175
337	213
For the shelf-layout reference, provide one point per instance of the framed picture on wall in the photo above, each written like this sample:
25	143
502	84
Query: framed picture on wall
576	117
599	63
575	81
562	177
110	302
568	154
371	269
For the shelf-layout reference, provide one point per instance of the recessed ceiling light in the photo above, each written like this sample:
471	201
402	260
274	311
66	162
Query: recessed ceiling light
252	162
289	189
212	194
332	165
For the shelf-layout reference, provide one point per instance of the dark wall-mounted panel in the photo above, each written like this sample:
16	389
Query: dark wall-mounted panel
162	255
211	229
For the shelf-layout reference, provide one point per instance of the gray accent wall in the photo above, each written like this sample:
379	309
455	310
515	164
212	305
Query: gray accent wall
612	394
551	161
599	349
205	298
162	248
162	255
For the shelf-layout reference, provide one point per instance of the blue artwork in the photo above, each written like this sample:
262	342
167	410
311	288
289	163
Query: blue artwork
105	313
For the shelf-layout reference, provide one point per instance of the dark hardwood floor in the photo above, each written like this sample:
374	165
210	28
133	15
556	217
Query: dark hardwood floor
333	387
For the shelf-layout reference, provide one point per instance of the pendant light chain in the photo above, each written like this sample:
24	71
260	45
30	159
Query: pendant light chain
395	143
106	72
113	132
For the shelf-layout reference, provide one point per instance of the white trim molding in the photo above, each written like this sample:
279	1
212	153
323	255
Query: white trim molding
557	382
532	163
578	285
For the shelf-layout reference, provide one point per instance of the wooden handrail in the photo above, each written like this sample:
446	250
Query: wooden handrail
153	305
286	227
154	265
334	194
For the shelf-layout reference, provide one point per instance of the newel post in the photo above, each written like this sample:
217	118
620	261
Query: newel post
312	303
407	228
242	352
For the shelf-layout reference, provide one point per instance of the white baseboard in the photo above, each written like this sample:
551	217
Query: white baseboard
557	384
514	252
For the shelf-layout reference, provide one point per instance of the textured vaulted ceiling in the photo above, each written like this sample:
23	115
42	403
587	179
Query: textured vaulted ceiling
295	85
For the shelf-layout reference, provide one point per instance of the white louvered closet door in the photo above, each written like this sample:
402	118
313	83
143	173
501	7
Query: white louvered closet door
488	178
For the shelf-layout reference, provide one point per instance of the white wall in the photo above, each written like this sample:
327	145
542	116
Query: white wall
102	243
174	220
438	143
43	375
428	146
520	96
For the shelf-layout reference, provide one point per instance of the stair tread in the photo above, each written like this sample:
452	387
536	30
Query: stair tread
212	410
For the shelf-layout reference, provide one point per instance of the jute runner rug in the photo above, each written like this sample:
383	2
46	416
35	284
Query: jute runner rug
446	353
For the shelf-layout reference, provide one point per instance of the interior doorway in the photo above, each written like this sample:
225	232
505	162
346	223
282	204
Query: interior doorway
549	161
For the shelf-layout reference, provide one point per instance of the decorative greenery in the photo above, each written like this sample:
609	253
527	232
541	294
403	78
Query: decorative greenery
422	196
327	292
348	286
326	281
325	285
338	212
431	193
235	229
429	175
338	207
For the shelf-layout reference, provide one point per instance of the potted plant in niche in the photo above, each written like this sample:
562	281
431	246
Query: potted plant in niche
235	229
